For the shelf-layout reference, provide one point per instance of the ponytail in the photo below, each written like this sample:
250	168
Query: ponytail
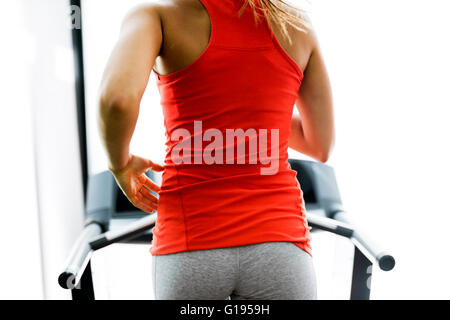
279	12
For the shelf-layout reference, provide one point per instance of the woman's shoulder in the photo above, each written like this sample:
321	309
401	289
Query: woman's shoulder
165	7
302	38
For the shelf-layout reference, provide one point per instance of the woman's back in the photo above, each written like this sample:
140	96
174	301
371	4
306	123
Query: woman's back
187	29
227	114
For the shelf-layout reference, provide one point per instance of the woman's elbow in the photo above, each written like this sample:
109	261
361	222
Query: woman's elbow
324	153
323	156
116	101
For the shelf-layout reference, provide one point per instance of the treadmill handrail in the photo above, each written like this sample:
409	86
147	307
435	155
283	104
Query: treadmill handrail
130	231
371	249
92	239
330	225
79	257
339	225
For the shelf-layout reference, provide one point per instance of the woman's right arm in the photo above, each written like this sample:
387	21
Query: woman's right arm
312	132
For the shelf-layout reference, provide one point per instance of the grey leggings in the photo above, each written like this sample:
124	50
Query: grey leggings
268	270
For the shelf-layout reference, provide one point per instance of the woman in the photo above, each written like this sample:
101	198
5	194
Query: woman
231	218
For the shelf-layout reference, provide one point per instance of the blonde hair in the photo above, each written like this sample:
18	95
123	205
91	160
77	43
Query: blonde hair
280	12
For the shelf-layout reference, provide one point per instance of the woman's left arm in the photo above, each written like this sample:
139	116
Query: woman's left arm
122	87
125	79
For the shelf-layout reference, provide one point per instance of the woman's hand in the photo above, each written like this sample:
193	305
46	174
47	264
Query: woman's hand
136	185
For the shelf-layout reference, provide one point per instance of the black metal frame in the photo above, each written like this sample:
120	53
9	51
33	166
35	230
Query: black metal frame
361	276
77	42
86	285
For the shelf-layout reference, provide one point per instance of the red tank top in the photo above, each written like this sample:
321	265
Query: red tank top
226	180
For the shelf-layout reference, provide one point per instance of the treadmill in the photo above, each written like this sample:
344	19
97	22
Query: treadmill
111	218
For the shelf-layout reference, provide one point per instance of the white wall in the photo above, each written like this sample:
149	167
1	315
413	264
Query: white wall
20	262
55	136
389	65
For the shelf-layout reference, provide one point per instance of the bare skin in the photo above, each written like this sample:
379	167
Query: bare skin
167	36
